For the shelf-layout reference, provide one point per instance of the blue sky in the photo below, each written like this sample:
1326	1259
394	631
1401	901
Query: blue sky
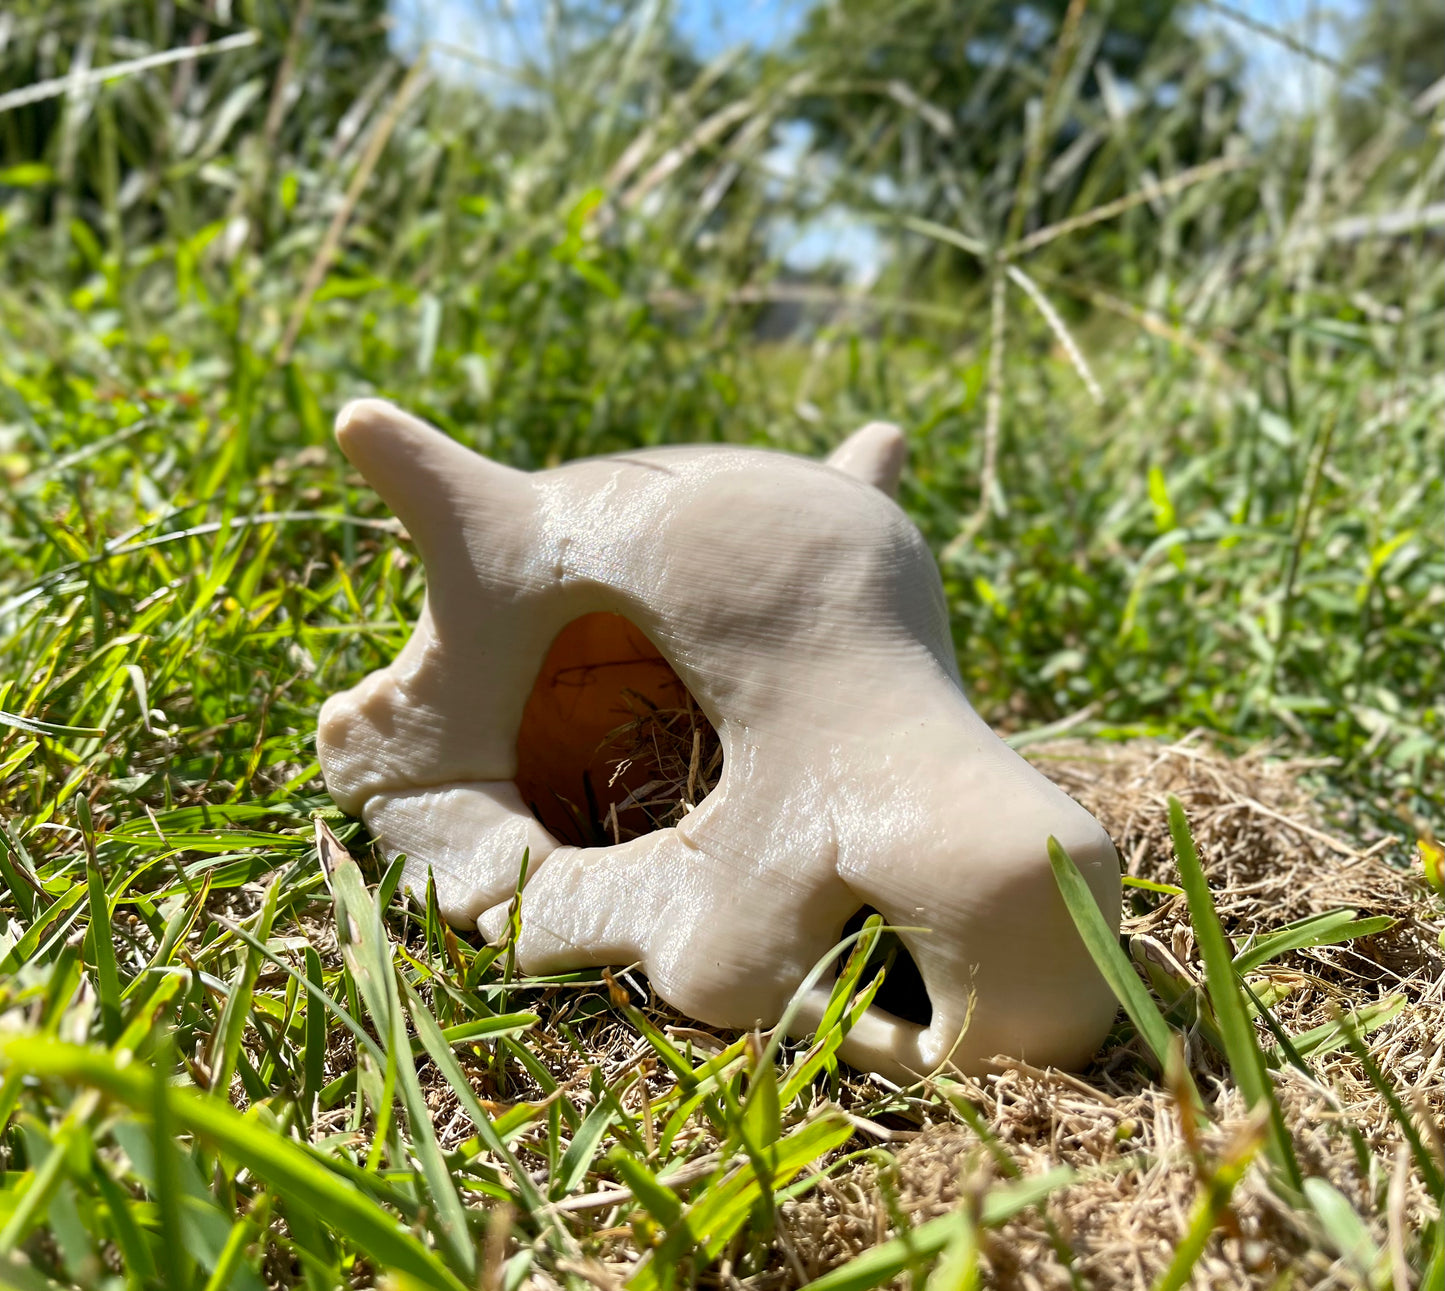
714	26
498	28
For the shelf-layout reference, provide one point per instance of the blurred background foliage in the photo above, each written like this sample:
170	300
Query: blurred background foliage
1166	342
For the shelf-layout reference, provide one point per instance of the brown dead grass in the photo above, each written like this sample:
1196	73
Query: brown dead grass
1271	859
682	757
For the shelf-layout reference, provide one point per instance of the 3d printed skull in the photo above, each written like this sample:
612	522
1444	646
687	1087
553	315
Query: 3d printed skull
802	611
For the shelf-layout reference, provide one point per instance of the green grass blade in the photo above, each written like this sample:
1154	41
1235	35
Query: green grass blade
125	1231
147	1011
1430	1170
64	913
1433	1278
1344	1230
762	1115
852	973
19	875
1331	1036
1001	1204
582	1151
101	952
51	729
885	1262
313	1044
151	1096
722	1208
39	1185
1246	1060
1109	958
1318	930
292	1175
654	1196
437	1049
821	1056
1209	1210
237	1009
367	950
957	1267
1240	1044
243	1232
314	993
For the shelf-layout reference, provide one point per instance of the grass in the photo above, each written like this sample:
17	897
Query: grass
1175	430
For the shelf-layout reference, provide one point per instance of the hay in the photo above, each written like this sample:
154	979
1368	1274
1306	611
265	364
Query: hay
1271	858
674	751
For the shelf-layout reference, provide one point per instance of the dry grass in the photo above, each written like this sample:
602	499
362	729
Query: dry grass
1271	859
682	757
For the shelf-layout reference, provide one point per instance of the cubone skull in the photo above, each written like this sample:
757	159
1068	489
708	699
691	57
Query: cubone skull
805	615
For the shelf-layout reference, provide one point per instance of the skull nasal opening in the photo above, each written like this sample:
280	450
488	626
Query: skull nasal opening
612	745
903	993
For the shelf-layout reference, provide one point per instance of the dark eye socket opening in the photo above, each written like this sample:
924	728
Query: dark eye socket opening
612	745
903	993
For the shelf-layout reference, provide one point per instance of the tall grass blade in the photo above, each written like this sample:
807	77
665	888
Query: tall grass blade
1241	1047
292	1174
367	951
237	1010
1104	949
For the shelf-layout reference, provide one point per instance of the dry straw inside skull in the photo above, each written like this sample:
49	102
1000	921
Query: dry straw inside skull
612	745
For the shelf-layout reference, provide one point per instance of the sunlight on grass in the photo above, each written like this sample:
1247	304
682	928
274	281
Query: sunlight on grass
1172	388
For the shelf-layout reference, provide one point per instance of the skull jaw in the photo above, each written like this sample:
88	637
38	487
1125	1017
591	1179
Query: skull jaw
1045	1004
905	1053
470	838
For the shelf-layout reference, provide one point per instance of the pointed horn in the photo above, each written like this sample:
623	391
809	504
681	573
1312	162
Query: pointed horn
433	484
874	454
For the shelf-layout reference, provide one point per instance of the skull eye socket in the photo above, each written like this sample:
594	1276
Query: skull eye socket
612	745
903	993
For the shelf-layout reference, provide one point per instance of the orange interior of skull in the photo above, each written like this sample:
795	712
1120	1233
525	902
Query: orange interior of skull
611	742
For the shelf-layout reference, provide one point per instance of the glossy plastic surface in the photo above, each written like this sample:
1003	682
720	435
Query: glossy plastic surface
803	611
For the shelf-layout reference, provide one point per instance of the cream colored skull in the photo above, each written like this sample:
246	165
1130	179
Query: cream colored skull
804	613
